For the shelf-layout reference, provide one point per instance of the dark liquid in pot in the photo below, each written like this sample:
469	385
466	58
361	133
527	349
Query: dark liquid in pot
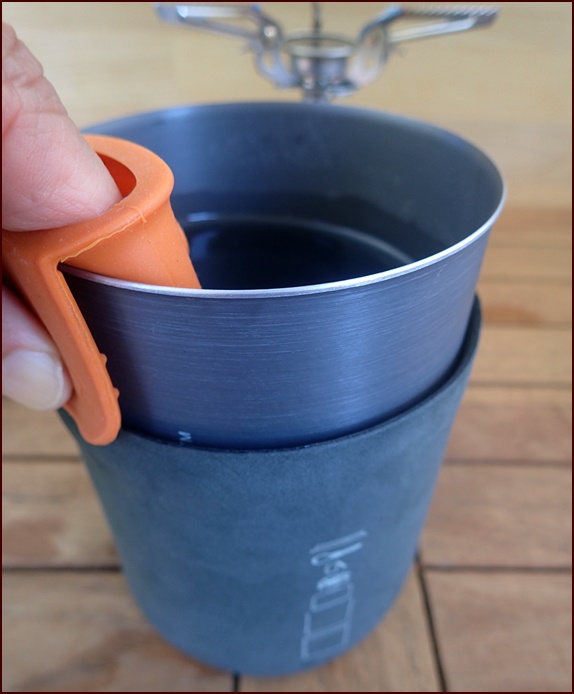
293	241
263	254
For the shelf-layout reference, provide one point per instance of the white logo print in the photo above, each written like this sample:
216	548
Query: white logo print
327	623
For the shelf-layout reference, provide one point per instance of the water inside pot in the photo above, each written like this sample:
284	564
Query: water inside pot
293	240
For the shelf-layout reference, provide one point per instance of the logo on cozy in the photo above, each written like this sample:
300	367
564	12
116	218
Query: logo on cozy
327	622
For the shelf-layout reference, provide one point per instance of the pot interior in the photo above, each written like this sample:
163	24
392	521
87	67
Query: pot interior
287	195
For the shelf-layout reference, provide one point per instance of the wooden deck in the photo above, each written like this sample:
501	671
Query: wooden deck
487	606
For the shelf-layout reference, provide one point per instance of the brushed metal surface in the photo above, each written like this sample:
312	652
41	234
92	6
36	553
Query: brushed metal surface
290	365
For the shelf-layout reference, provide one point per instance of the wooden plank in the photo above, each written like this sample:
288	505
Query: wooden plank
502	516
519	355
81	632
533	227
504	632
526	130
396	657
527	264
52	518
416	84
518	424
28	432
524	303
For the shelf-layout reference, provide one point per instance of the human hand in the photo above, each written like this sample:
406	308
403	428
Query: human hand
50	177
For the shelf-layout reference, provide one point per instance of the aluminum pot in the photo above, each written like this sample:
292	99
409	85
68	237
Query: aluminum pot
269	562
339	251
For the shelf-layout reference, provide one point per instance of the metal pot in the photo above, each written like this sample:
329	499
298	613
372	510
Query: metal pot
339	251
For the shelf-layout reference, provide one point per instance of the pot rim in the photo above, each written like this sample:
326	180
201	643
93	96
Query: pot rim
326	287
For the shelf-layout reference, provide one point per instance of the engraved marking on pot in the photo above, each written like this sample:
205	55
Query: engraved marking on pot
327	622
184	436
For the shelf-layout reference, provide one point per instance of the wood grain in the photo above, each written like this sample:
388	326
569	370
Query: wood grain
521	355
27	433
513	424
525	303
51	517
528	226
527	264
396	657
76	632
500	516
504	632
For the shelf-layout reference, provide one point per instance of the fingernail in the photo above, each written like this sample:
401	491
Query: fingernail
34	379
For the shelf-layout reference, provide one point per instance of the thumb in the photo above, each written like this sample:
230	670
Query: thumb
32	371
50	178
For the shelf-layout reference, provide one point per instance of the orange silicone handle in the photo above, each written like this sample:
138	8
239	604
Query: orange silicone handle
138	240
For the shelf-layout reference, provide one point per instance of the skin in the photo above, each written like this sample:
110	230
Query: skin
50	178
